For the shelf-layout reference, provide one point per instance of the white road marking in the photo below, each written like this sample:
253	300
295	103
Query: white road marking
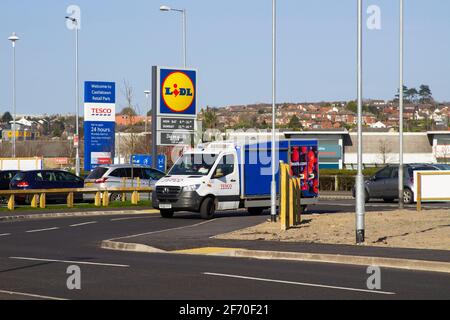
298	283
72	262
42	230
136	218
162	231
5	234
83	224
31	295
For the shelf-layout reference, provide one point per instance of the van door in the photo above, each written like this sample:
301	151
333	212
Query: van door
225	183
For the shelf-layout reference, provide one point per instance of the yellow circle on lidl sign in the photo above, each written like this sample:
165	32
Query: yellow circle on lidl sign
178	92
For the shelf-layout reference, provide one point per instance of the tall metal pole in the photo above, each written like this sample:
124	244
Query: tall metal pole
14	38
360	190
77	147
14	100
274	79
401	169
185	38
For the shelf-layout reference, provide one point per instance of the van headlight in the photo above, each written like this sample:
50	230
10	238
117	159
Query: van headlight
192	188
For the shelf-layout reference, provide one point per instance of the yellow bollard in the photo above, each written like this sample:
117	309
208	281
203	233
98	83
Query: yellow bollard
34	201
292	203
70	199
124	185
284	202
43	201
299	202
135	198
11	203
105	199
98	199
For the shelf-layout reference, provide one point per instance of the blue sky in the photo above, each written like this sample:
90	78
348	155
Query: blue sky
230	44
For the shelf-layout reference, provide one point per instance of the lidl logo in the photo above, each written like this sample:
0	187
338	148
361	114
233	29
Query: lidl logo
178	92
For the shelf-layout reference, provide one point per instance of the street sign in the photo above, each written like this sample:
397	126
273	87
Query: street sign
100	124
177	92
175	98
177	138
176	124
146	160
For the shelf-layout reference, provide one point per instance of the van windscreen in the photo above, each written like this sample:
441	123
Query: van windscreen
198	164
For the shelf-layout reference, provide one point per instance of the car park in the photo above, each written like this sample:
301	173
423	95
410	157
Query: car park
46	179
384	184
119	176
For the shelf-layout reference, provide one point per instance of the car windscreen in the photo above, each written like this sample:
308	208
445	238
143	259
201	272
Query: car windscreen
97	173
194	165
19	177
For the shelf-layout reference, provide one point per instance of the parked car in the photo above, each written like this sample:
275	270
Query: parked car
5	179
384	184
46	179
118	176
442	167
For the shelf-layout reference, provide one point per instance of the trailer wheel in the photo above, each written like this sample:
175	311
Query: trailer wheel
255	211
208	208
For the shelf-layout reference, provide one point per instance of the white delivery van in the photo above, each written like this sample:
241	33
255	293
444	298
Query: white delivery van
226	176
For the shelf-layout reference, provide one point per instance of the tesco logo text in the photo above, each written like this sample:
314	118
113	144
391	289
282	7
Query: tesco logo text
101	111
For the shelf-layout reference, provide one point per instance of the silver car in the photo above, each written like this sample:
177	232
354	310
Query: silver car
120	176
384	184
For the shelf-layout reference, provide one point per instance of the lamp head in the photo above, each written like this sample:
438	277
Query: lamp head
165	8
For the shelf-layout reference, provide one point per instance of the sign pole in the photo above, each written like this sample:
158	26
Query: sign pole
360	190
400	171
155	106
274	183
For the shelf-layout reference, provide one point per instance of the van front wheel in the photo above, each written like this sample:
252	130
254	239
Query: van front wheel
208	209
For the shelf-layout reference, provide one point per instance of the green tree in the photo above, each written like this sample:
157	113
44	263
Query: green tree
405	93
411	95
7	117
425	94
294	123
352	106
128	111
210	119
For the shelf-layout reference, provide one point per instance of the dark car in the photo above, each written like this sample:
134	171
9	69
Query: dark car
46	179
6	177
384	184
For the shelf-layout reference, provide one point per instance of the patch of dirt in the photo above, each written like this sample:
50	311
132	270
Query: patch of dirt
400	229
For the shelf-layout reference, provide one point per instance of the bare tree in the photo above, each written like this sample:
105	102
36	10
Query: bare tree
384	149
132	143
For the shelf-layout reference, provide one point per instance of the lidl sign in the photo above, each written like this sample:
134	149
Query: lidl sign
178	92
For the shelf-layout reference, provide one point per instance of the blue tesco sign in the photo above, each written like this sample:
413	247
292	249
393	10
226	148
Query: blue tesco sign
99	124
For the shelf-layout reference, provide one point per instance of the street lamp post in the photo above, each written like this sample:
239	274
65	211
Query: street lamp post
14	38
274	78
401	169
147	96
360	190
183	11
77	95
